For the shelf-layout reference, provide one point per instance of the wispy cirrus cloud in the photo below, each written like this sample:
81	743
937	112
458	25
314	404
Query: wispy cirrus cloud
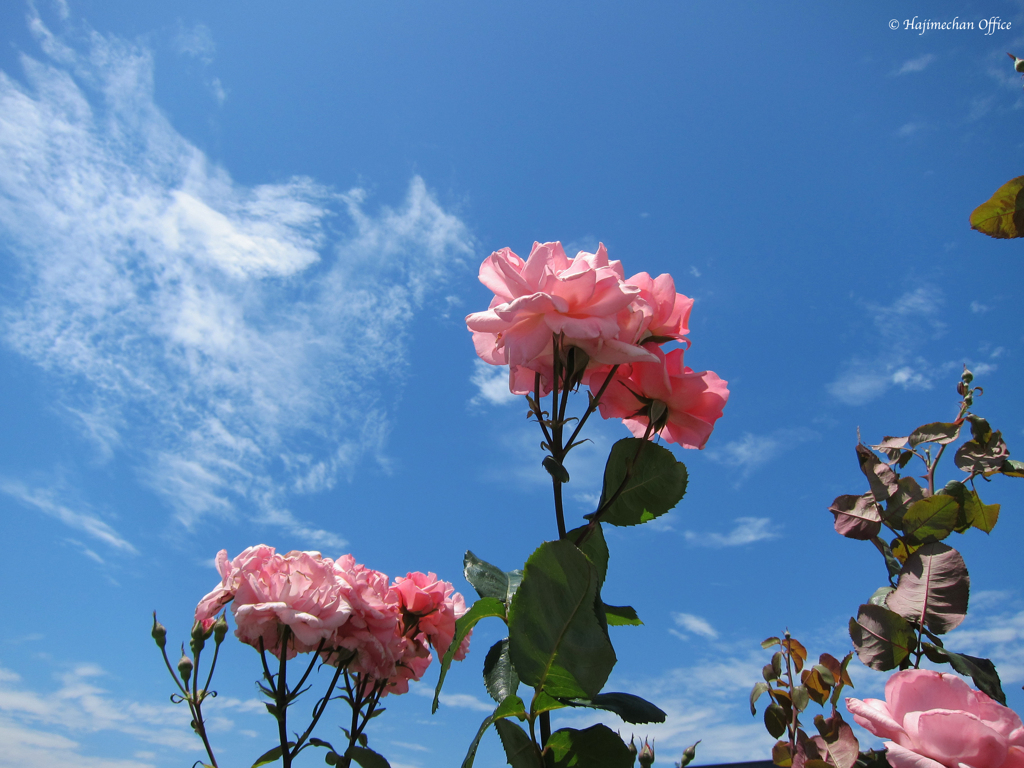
218	335
918	64
751	451
693	624
746	530
899	329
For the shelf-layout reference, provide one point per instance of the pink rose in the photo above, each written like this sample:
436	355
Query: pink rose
665	313
372	629
586	299
432	608
269	591
936	720
230	572
693	401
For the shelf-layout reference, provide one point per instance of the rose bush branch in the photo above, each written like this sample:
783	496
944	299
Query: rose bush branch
560	324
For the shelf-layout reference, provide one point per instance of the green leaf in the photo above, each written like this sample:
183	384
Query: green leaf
519	749
544	703
769	642
892	565
367	758
1002	215
940	432
775	720
270	756
881	595
555	469
595	746
481	609
982	516
981	671
621	616
475	744
755	694
1012	468
556	641
908	491
500	676
882	637
512	706
933	588
630	708
594	547
801	697
489	580
656	486
931	519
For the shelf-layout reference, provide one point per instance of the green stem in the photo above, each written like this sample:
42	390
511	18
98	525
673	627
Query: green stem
321	706
282	699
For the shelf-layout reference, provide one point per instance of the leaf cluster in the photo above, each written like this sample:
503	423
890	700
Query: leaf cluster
928	583
790	695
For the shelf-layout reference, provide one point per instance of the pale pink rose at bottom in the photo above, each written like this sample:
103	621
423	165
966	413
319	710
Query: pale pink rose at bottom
934	719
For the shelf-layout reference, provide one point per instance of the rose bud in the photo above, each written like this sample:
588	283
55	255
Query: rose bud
159	633
185	667
646	755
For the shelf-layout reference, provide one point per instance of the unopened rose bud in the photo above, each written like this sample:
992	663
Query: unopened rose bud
688	754
646	755
967	376
658	414
185	667
220	628
159	633
632	747
199	636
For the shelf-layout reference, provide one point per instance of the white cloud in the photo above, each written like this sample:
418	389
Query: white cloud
196	42
978	308
752	451
208	330
916	65
462	700
695	624
78	705
705	701
44	501
747	530
491	382
908	129
898	329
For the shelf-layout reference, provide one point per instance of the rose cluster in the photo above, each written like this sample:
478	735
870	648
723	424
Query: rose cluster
587	303
380	630
936	720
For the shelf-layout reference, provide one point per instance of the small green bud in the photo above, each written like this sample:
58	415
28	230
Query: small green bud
967	376
646	755
632	747
658	414
199	636
159	633
689	754
185	667
220	628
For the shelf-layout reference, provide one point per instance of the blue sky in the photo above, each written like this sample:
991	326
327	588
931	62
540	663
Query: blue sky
238	242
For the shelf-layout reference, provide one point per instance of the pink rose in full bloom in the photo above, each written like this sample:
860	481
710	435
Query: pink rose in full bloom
268	591
586	299
693	401
436	606
935	720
